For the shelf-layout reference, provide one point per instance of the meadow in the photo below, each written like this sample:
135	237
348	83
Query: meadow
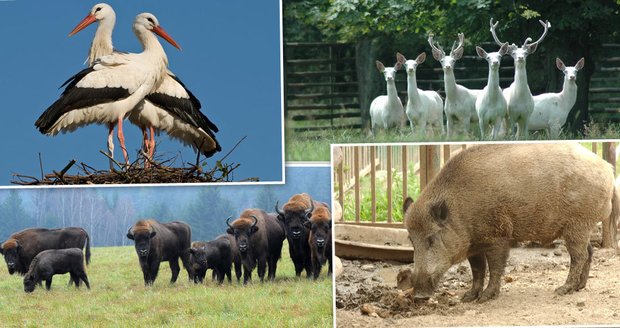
314	146
118	298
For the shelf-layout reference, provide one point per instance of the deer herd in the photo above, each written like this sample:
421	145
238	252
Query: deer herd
511	112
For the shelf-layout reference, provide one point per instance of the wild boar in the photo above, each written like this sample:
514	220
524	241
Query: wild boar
488	196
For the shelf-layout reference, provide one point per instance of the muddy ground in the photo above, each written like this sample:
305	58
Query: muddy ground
366	294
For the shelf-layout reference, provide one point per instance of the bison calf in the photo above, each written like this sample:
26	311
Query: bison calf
259	237
157	242
24	245
488	196
218	255
56	261
320	240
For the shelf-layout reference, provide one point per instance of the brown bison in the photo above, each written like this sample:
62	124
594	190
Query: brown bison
320	240
56	261
259	237
158	242
295	215
218	255
24	245
488	196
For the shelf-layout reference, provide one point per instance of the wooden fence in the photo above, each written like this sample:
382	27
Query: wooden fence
604	93
356	177
320	86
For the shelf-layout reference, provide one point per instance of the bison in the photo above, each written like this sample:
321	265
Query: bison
295	215
489	196
259	237
320	240
219	255
24	245
56	261
157	242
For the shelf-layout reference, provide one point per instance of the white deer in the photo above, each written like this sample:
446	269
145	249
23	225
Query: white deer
551	109
387	111
460	104
491	105
423	106
518	94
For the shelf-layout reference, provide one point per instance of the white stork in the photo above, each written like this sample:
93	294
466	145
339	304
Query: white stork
106	92
171	107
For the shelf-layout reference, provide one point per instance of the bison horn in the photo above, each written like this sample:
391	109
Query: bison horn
311	209
255	220
228	224
278	210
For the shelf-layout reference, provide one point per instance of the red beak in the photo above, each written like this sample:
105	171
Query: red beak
160	31
89	19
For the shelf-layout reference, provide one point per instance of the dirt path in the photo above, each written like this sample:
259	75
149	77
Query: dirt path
526	296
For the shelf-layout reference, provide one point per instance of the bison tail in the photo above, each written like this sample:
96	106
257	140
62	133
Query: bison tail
87	248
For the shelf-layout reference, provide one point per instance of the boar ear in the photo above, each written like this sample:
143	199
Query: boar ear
230	231
408	201
439	212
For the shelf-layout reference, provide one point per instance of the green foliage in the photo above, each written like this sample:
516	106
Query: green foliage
118	298
413	190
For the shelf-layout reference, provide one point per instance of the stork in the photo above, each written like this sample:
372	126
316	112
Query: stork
171	107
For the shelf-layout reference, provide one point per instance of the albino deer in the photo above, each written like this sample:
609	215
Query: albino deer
518	95
387	111
491	105
460	104
551	109
422	106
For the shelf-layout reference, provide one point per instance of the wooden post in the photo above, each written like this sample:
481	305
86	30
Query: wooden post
341	181
430	163
446	153
356	172
373	189
389	184
610	227
404	171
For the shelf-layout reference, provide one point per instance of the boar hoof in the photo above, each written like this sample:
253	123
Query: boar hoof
471	295
488	295
564	290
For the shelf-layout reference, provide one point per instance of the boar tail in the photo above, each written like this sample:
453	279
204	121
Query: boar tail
613	217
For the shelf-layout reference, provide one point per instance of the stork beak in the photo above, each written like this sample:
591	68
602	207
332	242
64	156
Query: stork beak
85	22
160	31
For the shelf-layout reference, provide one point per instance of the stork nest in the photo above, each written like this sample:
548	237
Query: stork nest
141	171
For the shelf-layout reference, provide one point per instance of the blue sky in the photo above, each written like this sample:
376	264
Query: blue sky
230	61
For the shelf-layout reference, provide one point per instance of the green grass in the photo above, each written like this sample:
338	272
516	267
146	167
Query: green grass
118	298
314	146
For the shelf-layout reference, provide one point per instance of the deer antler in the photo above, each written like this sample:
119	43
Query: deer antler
460	44
493	27
436	48
546	25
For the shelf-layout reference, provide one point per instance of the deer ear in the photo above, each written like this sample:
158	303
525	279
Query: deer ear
436	54
380	66
481	53
400	58
504	49
560	64
580	63
421	58
531	48
458	53
398	66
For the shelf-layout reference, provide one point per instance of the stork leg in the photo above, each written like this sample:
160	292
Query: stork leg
145	142
121	139
152	143
111	144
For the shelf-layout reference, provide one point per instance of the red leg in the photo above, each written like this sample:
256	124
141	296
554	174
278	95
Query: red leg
152	143
121	139
145	142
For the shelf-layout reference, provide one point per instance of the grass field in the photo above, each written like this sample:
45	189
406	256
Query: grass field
314	146
118	298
